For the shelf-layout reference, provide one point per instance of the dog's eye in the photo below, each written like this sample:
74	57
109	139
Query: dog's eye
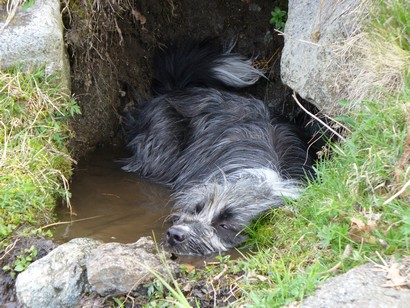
173	219
199	207
224	226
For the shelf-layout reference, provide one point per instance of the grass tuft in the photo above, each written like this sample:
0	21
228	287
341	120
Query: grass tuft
34	161
376	58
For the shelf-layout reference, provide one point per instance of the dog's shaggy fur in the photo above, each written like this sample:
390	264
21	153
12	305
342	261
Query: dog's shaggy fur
224	157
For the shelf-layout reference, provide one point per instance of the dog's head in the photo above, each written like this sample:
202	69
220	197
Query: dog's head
208	225
213	217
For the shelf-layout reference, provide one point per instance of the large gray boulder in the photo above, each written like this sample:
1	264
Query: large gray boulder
35	37
116	268
310	64
59	278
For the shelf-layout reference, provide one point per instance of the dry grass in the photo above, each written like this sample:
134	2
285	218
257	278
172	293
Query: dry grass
11	9
375	58
377	65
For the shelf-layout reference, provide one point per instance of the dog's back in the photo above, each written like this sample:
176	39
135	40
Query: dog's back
190	79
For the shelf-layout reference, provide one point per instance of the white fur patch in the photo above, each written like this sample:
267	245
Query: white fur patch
237	72
280	187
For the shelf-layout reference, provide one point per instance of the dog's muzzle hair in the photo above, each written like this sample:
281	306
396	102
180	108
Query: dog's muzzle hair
222	154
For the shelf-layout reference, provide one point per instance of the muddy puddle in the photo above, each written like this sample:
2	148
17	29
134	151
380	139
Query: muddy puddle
111	205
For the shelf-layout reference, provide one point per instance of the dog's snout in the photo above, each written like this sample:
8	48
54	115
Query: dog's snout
176	235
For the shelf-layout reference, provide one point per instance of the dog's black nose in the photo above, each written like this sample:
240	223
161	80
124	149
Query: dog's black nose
175	236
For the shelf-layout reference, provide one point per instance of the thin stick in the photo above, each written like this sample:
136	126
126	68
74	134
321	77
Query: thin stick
67	222
402	190
316	118
8	249
12	7
225	269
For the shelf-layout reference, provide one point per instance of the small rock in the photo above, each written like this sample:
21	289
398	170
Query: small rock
58	279
253	7
116	268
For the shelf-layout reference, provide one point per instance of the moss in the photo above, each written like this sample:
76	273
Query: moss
35	163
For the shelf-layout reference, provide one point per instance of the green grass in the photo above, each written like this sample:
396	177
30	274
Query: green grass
34	162
297	249
393	22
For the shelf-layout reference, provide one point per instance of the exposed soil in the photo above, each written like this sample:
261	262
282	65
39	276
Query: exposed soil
111	44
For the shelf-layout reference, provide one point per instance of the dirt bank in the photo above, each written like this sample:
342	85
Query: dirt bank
111	43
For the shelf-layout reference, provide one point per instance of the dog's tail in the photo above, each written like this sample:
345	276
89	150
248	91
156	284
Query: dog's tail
201	64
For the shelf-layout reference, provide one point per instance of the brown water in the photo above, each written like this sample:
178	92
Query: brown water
111	205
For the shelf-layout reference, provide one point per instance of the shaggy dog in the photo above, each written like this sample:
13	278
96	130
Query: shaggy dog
222	154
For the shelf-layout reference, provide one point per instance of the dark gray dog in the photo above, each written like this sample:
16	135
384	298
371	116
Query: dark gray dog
222	154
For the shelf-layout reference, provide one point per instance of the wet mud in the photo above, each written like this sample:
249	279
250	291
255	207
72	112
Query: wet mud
111	205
